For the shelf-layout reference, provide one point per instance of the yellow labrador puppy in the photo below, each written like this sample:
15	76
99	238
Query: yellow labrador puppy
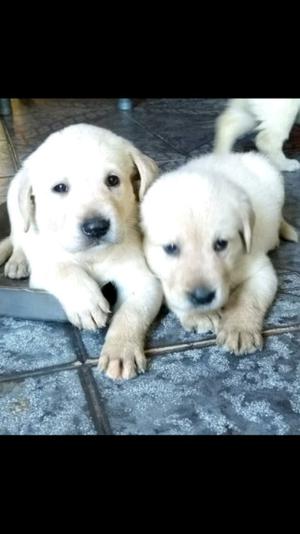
272	118
208	227
74	226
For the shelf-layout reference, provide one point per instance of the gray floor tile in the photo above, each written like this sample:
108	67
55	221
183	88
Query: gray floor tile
210	392
28	345
47	405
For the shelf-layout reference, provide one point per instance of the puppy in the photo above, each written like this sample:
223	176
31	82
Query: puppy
273	118
207	229
74	227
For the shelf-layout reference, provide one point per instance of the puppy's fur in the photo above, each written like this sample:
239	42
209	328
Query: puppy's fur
273	118
207	229
56	235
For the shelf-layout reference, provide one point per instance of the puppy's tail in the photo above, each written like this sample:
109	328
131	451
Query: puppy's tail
5	249
287	231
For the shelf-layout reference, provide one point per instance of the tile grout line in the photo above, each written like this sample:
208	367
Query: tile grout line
95	403
89	386
203	343
141	125
12	149
20	375
181	347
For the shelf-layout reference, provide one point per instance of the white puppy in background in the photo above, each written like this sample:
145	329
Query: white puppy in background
273	118
207	229
74	225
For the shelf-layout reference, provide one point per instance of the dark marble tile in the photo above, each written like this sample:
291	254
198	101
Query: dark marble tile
287	256
7	167
29	128
210	392
2	133
28	345
46	405
166	166
42	107
4	183
192	106
184	132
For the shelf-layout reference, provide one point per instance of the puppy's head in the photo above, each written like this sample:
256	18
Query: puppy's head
196	228
82	186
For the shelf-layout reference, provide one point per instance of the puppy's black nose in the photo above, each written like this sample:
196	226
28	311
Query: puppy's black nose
201	295
95	227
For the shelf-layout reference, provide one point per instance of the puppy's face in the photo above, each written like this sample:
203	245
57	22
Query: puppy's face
195	231
80	184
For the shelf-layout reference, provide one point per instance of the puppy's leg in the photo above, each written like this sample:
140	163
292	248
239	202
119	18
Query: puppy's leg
270	141
139	300
17	266
78	293
233	123
242	319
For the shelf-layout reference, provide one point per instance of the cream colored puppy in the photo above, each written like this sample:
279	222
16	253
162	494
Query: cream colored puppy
74	215
273	118
207	229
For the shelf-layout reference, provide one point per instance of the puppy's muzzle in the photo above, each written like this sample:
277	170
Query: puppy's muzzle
95	228
201	296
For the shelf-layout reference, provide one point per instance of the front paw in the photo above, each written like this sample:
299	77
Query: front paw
122	359
200	322
16	268
289	165
239	340
88	310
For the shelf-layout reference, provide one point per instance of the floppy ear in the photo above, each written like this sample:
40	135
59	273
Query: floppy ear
248	220
147	169
25	199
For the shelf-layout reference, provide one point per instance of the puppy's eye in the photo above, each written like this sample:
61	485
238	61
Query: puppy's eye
220	245
171	249
60	188
112	180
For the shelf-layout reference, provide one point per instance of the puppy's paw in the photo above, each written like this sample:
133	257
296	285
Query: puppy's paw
201	323
289	165
239	340
88	310
122	359
17	267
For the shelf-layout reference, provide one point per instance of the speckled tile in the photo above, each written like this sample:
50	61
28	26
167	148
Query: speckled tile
93	341
47	405
28	345
210	392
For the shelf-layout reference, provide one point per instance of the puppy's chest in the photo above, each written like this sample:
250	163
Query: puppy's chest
112	266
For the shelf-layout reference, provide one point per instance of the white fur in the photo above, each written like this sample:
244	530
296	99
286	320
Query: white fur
273	118
236	198
48	240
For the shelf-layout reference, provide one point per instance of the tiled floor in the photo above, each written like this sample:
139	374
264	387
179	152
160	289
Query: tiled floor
49	383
